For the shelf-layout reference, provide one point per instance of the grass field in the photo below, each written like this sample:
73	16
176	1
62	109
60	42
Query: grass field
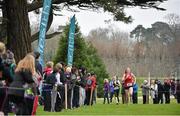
121	109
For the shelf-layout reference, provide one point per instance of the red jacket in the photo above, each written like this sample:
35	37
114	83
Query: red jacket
93	85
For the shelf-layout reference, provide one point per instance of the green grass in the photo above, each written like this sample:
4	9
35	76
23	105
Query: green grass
113	109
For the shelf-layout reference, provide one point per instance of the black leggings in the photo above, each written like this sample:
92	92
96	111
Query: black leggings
116	92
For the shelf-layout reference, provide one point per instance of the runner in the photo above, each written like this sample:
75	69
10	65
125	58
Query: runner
129	80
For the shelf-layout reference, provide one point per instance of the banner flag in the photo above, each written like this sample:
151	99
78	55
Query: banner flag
43	26
71	42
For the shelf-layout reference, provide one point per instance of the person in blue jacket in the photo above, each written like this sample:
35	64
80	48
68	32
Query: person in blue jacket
135	94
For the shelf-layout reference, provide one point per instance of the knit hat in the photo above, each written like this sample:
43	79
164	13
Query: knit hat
145	82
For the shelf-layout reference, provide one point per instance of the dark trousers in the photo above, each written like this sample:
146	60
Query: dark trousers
4	102
167	97
76	97
111	96
123	98
2	97
60	99
69	99
144	99
178	98
106	96
47	100
88	95
160	98
135	98
116	92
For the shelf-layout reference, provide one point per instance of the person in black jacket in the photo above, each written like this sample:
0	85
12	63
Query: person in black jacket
22	81
167	87
160	92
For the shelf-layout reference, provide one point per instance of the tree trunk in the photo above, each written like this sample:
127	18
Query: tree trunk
3	28
18	28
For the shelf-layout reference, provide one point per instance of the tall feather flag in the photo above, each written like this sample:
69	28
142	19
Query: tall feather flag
71	42
43	26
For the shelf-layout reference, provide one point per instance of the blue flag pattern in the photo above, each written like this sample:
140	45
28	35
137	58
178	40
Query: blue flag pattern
43	26
71	42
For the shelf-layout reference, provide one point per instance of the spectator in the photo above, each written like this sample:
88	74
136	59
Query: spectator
43	87
177	91
38	66
154	91
116	89
135	94
68	81
90	87
55	76
160	92
145	91
23	74
48	69
167	87
173	87
111	84
83	75
106	91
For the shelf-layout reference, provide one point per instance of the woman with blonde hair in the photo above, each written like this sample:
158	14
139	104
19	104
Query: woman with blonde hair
23	77
106	91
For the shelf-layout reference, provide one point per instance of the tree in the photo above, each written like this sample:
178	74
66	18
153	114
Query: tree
161	45
85	55
18	29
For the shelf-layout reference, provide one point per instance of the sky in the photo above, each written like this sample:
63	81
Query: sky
89	20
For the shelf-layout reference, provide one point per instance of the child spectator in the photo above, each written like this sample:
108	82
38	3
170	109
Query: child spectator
106	91
135	94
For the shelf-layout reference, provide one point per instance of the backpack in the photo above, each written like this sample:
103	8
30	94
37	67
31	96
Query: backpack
89	82
51	79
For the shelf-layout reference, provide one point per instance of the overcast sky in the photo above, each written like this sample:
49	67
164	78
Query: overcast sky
89	20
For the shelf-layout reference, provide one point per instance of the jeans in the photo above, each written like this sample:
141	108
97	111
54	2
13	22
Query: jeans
135	98
111	96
